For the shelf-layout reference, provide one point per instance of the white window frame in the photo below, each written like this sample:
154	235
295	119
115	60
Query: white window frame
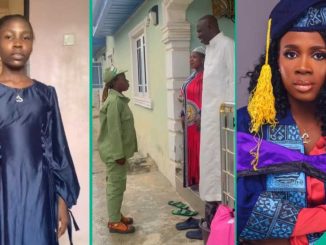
141	98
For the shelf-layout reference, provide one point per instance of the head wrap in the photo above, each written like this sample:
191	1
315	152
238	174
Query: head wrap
110	73
199	49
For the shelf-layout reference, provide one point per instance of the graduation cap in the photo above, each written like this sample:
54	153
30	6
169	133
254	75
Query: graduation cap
298	15
287	15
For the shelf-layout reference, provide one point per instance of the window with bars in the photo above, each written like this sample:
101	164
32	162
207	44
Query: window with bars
140	71
97	75
141	64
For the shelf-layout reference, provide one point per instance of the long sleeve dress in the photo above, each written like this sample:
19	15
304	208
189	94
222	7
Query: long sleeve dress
35	165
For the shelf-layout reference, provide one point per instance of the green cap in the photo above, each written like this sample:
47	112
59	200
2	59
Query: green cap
111	73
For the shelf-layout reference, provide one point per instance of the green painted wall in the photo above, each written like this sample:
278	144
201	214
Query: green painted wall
199	8
151	125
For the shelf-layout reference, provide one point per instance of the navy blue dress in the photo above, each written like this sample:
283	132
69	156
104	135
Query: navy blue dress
35	165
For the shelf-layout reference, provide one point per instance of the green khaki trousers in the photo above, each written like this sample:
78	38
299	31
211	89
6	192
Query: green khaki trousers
116	179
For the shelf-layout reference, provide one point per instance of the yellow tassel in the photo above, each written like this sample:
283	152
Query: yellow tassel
255	153
261	106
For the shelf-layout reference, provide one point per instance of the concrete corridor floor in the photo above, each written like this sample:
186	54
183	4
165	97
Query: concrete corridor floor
145	199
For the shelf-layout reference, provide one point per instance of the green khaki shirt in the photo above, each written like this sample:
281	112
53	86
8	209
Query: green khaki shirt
117	137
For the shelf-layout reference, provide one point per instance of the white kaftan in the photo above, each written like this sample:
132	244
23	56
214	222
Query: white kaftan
218	87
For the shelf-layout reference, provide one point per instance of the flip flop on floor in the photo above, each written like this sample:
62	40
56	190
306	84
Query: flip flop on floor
178	204
184	212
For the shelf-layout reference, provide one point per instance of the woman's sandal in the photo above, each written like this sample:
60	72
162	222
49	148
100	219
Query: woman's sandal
178	204
184	212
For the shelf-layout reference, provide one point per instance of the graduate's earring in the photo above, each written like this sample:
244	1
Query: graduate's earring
279	71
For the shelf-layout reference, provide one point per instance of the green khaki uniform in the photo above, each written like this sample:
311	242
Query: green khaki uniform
117	140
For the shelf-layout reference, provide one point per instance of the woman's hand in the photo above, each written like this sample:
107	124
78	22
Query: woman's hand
121	161
183	122
197	121
63	217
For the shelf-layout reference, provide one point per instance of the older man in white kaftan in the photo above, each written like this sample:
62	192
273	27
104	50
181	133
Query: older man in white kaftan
218	87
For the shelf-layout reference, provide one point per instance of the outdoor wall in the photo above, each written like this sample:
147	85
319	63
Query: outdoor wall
199	8
67	69
151	124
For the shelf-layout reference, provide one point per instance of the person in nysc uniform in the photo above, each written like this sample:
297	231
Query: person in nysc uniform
117	142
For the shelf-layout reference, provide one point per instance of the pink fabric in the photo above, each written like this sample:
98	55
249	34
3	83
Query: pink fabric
222	227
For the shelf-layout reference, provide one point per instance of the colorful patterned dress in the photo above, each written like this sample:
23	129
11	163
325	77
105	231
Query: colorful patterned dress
191	94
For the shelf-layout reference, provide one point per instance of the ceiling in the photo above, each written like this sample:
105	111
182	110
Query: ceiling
110	15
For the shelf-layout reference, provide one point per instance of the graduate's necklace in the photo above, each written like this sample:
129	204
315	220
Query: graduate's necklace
305	137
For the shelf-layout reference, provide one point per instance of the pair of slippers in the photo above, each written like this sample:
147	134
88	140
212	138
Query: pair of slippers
183	209
191	223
